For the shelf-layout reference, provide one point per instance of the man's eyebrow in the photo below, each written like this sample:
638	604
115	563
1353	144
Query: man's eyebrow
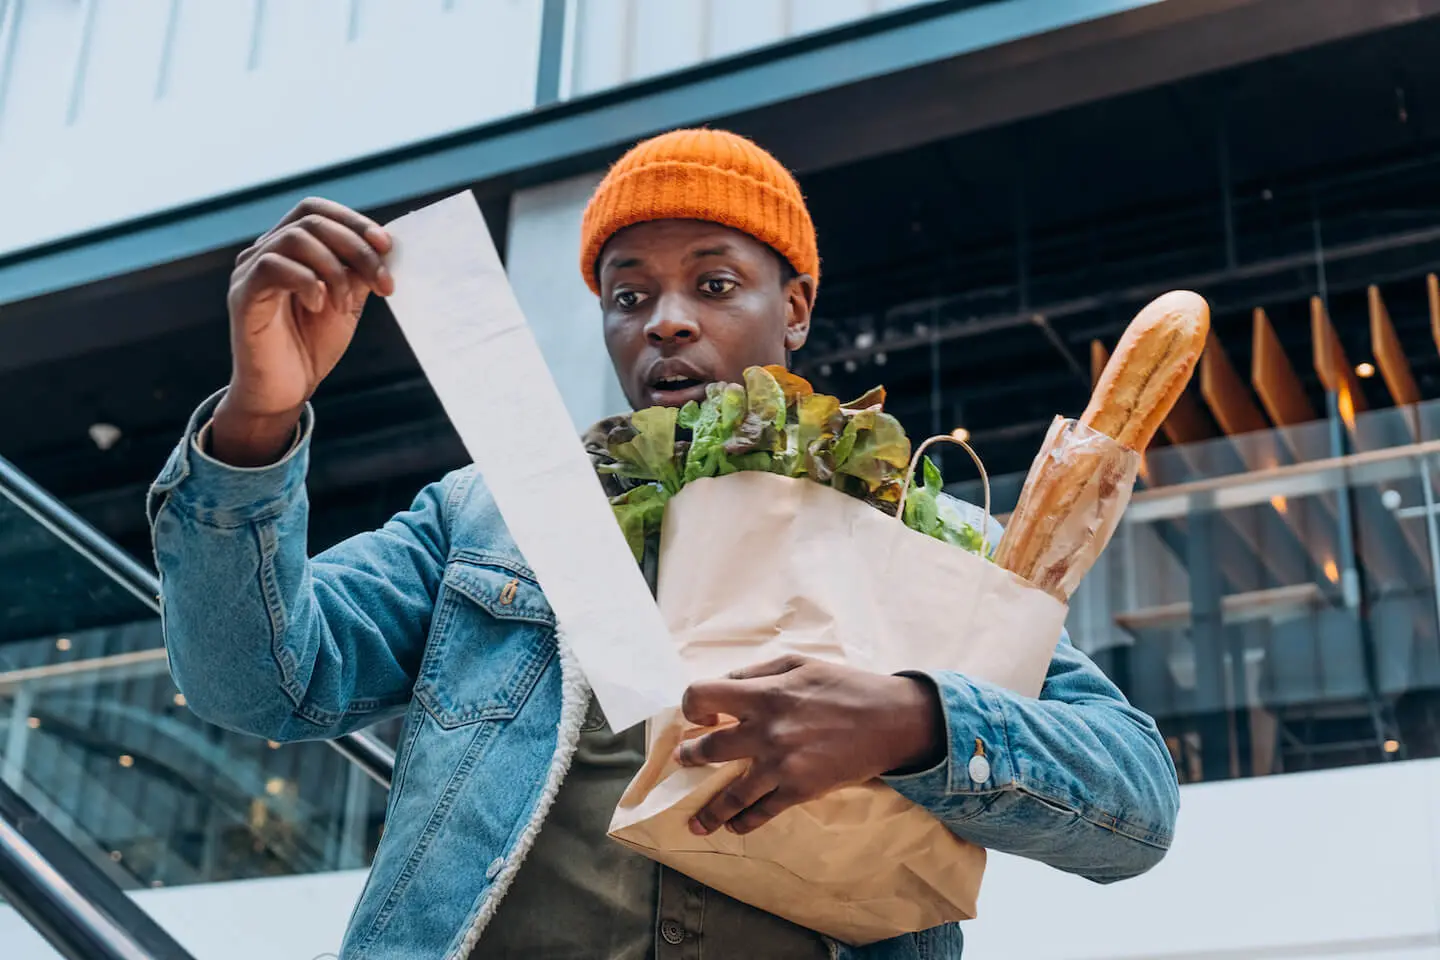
625	264
722	250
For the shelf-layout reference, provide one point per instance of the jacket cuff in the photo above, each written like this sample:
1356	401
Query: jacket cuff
221	495
978	761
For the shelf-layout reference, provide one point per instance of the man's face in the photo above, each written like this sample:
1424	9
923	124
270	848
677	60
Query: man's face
688	303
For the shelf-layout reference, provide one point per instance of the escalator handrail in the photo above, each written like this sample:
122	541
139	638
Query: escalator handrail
69	901
365	751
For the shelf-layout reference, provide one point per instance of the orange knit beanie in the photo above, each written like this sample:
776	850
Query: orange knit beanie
707	175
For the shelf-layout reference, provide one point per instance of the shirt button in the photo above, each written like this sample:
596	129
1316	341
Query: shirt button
493	871
979	768
672	932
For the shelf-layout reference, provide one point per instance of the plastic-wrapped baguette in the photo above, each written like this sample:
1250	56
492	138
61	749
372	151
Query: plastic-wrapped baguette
1080	482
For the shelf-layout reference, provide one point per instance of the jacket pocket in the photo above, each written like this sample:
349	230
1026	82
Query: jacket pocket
492	636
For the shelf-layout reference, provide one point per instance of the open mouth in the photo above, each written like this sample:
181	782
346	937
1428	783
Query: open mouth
677	383
676	390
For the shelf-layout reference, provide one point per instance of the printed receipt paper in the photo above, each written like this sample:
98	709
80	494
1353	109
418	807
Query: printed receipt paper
456	308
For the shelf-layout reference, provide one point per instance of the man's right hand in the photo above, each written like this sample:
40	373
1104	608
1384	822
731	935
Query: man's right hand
295	298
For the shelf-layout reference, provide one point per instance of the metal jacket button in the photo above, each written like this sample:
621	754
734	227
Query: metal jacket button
672	932
979	766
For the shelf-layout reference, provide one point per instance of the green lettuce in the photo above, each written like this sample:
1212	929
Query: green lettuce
774	422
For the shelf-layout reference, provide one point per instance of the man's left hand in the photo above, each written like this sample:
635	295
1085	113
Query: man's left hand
808	727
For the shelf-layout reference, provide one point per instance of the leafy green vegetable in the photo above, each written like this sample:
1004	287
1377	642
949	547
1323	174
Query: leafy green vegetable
874	397
712	423
795	388
818	422
640	512
775	422
923	513
644	449
763	426
878	452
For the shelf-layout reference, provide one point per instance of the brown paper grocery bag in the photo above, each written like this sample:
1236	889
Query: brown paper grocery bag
754	566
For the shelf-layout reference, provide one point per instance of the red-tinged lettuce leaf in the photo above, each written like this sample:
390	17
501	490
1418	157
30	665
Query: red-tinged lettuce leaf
819	423
762	429
878	452
874	398
792	385
644	448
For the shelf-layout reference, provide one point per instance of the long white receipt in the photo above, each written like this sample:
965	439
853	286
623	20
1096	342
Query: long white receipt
456	308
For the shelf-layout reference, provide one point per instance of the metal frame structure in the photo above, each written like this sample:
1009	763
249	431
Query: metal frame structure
80	911
77	908
375	758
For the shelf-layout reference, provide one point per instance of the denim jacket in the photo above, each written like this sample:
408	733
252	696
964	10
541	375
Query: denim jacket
436	616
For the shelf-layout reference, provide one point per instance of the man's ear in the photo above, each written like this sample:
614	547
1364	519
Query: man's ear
799	303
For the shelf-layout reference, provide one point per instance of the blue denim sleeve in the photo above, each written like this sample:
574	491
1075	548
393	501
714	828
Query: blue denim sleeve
261	638
1078	779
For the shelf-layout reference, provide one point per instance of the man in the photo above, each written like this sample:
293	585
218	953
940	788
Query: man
703	255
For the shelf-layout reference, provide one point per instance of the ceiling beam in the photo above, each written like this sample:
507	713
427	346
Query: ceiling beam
1389	354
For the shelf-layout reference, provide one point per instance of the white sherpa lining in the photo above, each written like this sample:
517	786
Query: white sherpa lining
574	700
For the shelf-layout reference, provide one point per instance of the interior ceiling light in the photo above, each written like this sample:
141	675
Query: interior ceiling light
1365	371
104	435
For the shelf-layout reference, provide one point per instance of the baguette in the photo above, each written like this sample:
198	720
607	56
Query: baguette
1150	369
1140	384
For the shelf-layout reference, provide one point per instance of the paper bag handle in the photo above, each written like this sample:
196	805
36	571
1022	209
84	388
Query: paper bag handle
984	483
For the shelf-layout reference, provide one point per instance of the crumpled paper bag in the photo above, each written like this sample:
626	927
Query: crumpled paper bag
755	566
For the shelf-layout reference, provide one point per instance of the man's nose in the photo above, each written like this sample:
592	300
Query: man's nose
672	320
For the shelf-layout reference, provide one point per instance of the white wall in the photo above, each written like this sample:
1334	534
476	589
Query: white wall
114	109
542	259
620	41
1315	866
1318	865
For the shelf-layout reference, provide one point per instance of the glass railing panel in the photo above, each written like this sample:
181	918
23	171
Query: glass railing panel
94	734
47	588
108	749
1281	620
1271	598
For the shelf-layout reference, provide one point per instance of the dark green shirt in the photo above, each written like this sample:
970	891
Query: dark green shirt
581	896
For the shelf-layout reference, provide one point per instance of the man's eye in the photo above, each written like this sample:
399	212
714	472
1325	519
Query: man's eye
628	299
718	286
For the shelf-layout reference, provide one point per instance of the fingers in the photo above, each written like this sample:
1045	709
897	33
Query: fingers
742	793
705	702
275	272
717	746
307	250
737	695
770	668
764	810
352	238
358	254
357	223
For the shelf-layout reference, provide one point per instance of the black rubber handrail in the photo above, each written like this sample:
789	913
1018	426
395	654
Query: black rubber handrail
71	902
369	754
